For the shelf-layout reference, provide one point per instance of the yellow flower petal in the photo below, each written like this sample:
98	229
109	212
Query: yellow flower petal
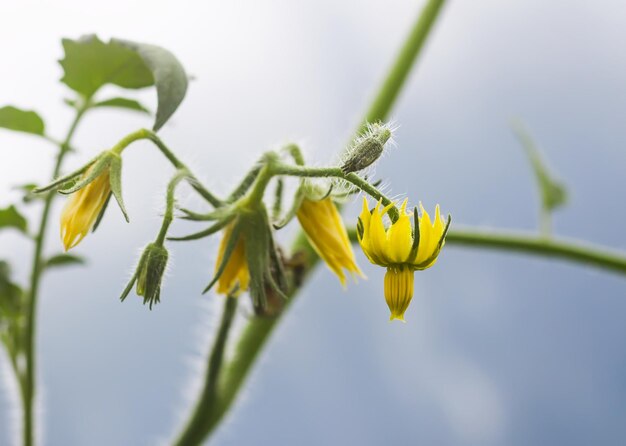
82	209
326	232
400	237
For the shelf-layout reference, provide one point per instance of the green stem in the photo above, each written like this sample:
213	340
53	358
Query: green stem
191	178
171	157
168	215
569	250
207	412
404	62
258	330
27	380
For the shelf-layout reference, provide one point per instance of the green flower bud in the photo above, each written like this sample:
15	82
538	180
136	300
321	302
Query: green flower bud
367	148
149	274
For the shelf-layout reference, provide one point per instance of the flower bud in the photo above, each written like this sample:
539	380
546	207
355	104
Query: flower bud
149	274
367	148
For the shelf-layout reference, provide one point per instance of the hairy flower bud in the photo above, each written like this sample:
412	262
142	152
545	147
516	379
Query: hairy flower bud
367	148
149	274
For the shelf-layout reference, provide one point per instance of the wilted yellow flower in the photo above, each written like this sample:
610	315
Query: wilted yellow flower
326	232
401	248
236	272
83	207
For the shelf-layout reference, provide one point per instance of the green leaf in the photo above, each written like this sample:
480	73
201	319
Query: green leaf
129	104
21	120
64	260
10	293
90	63
11	218
169	77
553	192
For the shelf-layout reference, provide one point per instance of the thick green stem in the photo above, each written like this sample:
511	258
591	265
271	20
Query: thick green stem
207	411
258	330
568	250
404	62
28	377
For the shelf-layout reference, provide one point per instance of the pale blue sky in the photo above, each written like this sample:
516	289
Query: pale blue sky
498	349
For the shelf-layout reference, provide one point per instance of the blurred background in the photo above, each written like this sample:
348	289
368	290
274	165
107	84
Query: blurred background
498	348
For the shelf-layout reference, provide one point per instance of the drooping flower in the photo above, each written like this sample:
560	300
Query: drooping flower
235	277
402	248
326	232
83	207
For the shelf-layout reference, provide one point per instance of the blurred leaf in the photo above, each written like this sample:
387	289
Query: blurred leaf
64	260
10	293
28	195
11	218
21	120
553	192
129	104
90	63
169	76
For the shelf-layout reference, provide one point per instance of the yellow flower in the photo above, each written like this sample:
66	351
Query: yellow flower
83	207
326	232
235	278
401	248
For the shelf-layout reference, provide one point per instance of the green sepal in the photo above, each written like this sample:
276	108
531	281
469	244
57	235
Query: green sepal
101	214
256	236
115	179
293	210
95	169
66	178
416	236
217	214
280	285
206	232
228	251
133	279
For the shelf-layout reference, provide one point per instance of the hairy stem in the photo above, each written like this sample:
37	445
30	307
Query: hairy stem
27	378
257	332
170	200
207	412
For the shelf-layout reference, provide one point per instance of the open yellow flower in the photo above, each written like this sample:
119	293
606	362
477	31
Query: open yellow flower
83	207
401	248
235	277
326	232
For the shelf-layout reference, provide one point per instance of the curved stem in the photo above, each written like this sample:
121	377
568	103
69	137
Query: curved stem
168	215
27	379
257	332
171	157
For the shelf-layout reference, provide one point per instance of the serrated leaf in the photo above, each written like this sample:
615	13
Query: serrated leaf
64	260
27	121
90	63
126	103
553	192
11	218
169	77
